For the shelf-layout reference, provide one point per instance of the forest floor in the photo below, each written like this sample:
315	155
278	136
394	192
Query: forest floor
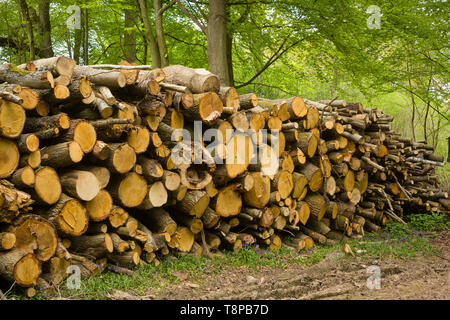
413	261
419	277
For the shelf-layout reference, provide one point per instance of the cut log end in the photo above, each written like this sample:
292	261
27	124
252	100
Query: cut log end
85	135
47	185
27	270
9	157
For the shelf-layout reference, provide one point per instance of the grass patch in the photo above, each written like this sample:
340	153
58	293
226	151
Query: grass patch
404	241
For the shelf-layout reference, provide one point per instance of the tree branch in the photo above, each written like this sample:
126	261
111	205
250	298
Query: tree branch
188	43
424	100
201	12
192	17
277	54
273	87
161	11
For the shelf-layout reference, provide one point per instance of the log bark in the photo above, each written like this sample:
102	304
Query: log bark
94	246
197	80
19	266
61	155
194	203
111	79
79	184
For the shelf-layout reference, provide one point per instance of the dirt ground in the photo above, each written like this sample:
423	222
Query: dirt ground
424	277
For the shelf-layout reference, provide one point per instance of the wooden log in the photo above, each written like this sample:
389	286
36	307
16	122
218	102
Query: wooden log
12	201
28	143
79	184
11	97
156	196
314	176
259	195
130	191
23	177
47	186
117	217
248	101
318	226
68	215
317	237
207	107
61	155
228	201
348	182
121	159
183	239
12	119
158	220
82	132
230	97
194	224
139	139
283	183
111	79
60	121
101	173
32	159
194	203
128	260
172	180
317	205
95	246
35	79
61	65
95	228
19	266
119	245
34	234
99	208
210	218
196	80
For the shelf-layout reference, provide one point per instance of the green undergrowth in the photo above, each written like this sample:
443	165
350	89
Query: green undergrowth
395	241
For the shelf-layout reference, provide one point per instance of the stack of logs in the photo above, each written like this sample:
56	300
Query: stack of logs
89	178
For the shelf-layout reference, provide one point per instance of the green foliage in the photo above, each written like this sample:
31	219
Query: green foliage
429	222
404	241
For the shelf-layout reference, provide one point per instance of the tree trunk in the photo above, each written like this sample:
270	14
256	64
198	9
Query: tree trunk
216	35
29	26
86	36
154	49
129	41
45	46
78	38
160	33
